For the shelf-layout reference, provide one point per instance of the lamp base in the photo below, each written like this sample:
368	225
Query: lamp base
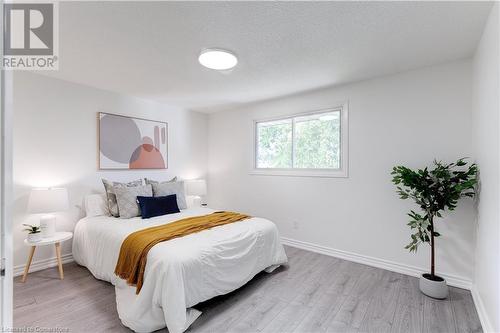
48	225
196	200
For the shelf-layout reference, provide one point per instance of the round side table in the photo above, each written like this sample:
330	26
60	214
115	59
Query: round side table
56	239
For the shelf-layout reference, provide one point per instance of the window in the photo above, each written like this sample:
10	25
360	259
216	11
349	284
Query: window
309	144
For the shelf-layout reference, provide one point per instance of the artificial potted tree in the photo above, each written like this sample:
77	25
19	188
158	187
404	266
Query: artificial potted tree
434	191
34	233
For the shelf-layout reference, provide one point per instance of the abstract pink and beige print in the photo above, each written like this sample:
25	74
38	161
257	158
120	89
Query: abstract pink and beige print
132	143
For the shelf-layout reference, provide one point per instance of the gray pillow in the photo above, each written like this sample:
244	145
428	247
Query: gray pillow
169	188
150	181
110	194
126	197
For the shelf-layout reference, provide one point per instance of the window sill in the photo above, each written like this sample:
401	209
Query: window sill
300	173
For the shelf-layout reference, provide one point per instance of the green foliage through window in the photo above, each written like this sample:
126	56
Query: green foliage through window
302	142
275	144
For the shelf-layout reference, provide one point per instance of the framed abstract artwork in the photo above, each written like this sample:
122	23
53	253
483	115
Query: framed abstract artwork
132	143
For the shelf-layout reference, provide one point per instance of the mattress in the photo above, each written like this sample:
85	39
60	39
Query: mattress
180	272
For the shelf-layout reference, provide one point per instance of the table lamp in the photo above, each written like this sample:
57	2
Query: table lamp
46	201
197	188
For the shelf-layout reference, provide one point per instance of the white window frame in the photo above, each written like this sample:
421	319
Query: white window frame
341	172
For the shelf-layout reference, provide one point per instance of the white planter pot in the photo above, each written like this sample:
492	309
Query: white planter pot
36	237
435	288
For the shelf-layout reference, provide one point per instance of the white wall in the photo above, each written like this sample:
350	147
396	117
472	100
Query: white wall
409	118
486	106
55	144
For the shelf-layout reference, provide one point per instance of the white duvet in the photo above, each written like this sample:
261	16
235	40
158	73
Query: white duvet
180	272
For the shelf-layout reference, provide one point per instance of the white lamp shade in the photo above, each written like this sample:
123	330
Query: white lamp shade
196	187
48	200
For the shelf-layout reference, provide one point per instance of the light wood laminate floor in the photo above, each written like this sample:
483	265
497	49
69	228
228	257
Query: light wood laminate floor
314	293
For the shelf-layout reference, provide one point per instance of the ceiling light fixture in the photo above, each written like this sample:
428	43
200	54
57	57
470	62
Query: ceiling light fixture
218	59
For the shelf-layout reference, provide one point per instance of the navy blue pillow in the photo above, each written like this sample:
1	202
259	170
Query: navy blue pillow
157	206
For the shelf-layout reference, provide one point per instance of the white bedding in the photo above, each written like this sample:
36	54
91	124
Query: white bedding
181	272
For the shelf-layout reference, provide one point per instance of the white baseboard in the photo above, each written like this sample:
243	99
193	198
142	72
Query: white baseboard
38	265
452	280
481	310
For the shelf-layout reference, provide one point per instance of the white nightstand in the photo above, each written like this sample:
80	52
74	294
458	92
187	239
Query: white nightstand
56	239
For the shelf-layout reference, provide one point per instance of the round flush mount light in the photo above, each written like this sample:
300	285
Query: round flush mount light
218	59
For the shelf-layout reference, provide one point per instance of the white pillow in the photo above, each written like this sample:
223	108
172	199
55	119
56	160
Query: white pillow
168	188
96	205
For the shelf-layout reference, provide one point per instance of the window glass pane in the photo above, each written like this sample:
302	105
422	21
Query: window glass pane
317	141
274	144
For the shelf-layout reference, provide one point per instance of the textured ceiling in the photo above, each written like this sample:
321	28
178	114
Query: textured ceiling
150	49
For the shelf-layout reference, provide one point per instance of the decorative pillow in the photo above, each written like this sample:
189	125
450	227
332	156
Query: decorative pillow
157	206
126	197
111	197
168	188
150	181
96	205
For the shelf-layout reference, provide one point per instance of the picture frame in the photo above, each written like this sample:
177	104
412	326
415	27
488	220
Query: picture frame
129	143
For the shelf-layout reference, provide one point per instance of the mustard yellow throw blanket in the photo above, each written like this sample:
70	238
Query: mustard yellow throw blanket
134	250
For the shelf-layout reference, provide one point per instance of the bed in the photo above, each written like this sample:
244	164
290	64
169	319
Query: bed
180	272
